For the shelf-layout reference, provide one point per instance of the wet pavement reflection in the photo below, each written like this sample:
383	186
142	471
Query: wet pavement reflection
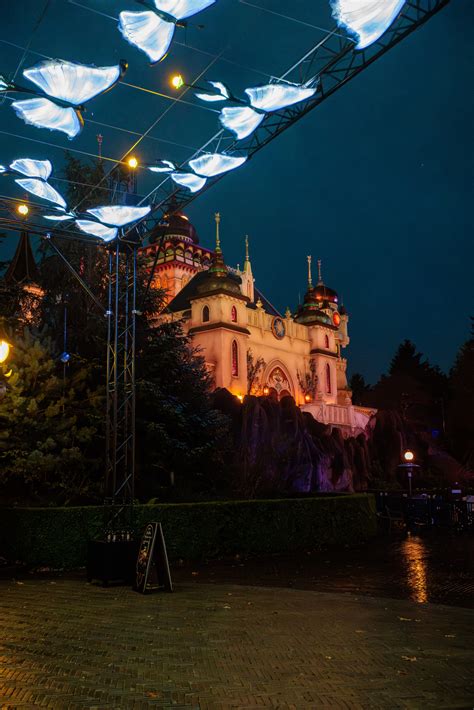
430	568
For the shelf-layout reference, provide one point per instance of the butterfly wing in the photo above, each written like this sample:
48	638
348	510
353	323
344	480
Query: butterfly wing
43	113
118	215
58	217
192	182
32	168
96	229
148	32
215	164
42	189
180	9
74	83
273	97
241	120
365	20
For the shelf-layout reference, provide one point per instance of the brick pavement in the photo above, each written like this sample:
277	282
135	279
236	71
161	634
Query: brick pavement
67	644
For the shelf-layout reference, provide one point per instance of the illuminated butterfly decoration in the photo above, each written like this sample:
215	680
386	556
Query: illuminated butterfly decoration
365	20
200	169
69	85
152	31
243	119
102	222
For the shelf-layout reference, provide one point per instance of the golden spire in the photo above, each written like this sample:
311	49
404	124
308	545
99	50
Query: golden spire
310	280
217	217
320	278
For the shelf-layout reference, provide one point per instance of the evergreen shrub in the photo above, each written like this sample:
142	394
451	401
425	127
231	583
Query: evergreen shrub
57	537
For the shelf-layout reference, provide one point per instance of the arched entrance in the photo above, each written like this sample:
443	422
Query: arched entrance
277	382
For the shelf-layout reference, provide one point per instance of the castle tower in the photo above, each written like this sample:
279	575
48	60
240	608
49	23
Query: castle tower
248	281
219	322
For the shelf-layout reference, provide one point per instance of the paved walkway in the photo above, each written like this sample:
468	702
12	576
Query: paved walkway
66	644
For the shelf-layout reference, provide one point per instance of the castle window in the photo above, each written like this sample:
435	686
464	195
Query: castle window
205	314
235	359
326	342
233	314
328	379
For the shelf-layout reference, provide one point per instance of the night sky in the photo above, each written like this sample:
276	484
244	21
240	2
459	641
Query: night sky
377	181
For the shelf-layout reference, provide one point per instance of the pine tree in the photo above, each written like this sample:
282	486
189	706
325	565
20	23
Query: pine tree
50	427
178	430
360	390
461	405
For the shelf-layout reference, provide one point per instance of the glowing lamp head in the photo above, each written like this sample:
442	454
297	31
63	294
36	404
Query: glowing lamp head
266	391
4	350
177	81
409	456
132	163
23	209
240	397
307	398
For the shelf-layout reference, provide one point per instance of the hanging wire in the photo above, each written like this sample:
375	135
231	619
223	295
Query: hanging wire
288	17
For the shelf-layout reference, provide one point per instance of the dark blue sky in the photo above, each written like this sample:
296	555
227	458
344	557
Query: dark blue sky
377	181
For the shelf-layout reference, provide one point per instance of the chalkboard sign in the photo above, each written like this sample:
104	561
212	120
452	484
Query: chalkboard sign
152	569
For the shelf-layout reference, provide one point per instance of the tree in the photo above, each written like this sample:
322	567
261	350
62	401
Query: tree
254	368
360	390
461	406
178	430
50	426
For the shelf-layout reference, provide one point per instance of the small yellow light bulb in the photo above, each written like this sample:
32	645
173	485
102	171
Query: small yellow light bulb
177	81
133	163
23	209
408	455
4	350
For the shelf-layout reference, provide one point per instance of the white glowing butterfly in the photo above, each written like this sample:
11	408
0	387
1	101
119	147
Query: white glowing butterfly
69	85
195	177
42	189
118	215
152	31
32	168
365	20
96	229
244	118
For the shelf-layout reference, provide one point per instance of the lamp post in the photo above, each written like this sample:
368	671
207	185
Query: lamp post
409	464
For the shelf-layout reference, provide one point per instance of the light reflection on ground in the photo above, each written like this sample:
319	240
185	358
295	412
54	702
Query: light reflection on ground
413	549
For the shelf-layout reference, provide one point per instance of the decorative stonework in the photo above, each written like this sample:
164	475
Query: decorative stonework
278	381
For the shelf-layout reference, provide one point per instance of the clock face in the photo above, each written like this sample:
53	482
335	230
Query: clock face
336	319
278	328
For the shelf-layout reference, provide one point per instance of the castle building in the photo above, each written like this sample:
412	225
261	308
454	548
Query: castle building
248	346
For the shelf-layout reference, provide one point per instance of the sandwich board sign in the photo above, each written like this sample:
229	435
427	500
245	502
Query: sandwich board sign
152	568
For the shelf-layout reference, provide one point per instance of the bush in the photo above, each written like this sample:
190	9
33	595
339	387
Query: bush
57	537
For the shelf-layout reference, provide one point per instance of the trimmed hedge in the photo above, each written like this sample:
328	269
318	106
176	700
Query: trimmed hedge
57	537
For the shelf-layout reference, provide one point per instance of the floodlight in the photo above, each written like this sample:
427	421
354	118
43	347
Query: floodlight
177	81
4	351
132	163
365	20
23	209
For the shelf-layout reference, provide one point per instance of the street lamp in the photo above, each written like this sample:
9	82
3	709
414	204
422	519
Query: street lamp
132	163
409	464
23	209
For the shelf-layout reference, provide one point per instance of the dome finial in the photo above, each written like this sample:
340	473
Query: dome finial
310	278
320	278
217	217
247	257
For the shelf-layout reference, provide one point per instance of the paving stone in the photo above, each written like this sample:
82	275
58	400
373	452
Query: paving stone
71	645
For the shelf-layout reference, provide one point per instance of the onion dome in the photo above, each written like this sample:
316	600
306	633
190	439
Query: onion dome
324	294
218	277
316	299
175	225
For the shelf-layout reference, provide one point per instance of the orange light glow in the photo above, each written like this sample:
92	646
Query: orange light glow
177	81
409	455
307	398
132	163
23	209
266	391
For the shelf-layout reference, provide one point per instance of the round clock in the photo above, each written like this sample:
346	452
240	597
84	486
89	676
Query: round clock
336	319
278	328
